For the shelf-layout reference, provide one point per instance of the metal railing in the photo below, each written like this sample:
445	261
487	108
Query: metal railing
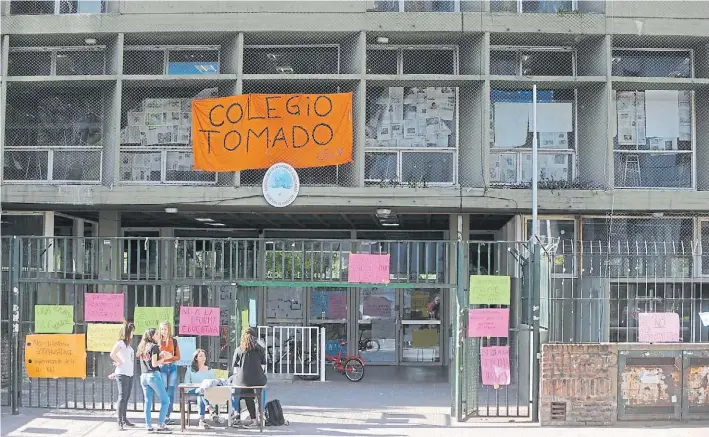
294	350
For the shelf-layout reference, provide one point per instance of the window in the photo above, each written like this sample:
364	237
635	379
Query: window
563	231
184	60
704	236
511	158
156	138
411	135
54	136
652	63
415	5
28	7
412	60
57	61
653	139
540	6
532	62
315	59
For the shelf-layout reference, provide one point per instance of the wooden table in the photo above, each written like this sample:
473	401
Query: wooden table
258	394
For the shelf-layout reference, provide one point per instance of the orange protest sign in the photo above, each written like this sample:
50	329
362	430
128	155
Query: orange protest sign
55	355
255	131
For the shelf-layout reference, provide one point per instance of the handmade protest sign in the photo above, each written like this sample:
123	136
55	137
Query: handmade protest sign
151	317
337	305
221	374
53	319
495	365
103	307
255	131
199	321
658	327
368	268
424	338
55	356
489	290
488	322
100	337
188	346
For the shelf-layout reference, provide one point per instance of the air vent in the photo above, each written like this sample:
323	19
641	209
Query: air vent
558	411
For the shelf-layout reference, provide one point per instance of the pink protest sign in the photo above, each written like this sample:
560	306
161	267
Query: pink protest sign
337	306
199	321
488	322
367	268
495	365
658	327
103	307
376	306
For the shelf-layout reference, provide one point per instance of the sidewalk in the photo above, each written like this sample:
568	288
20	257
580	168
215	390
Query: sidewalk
338	409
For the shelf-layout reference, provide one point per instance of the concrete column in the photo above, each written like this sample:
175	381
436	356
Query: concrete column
112	115
49	240
611	113
3	92
78	243
109	259
232	63
166	259
355	62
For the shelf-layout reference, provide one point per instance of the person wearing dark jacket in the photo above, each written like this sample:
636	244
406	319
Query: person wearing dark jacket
248	362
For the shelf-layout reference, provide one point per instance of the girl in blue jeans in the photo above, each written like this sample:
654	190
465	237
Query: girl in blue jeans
198	372
150	380
168	370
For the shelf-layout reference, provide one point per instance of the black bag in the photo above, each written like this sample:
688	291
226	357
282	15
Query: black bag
274	414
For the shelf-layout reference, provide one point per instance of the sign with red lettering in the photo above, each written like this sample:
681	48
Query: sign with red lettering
495	365
199	321
658	327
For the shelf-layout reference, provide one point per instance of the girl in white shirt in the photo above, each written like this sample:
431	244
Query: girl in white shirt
123	357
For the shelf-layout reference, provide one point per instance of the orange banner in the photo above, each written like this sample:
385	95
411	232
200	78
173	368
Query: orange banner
55	355
255	131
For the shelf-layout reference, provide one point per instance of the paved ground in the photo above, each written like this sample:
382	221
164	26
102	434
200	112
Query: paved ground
339	408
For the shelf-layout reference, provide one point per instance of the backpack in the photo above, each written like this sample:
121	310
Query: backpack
274	414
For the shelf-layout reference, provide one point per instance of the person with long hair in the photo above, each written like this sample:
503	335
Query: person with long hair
170	352
123	357
150	380
248	362
195	374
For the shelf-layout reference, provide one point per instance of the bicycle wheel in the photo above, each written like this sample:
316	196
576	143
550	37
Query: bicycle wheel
372	345
354	370
309	363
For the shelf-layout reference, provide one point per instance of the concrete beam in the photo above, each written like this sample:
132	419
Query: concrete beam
356	199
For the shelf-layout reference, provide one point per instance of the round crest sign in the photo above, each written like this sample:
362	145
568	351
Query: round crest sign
280	185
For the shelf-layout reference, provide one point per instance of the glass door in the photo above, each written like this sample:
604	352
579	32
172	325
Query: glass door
378	325
421	336
328	309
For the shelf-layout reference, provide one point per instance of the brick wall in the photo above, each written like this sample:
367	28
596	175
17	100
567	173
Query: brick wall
581	378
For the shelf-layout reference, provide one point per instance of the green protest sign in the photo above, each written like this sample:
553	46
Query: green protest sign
53	319
489	290
151	317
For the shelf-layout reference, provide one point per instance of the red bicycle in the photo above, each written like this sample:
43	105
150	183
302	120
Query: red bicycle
351	365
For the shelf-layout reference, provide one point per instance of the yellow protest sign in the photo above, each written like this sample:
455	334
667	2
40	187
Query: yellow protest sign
489	290
151	317
221	374
419	302
424	338
100	337
53	319
55	356
244	319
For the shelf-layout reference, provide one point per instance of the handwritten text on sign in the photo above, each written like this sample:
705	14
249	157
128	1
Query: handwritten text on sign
255	131
658	327
495	365
101	337
367	268
103	307
376	306
56	356
489	290
488	322
53	319
199	321
151	317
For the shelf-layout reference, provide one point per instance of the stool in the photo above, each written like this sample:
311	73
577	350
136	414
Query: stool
632	164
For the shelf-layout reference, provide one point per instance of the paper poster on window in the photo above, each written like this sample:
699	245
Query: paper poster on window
377	306
419	303
662	113
284	303
424	338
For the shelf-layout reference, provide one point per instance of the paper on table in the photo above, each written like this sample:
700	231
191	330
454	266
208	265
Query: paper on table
511	123
705	318
554	117
662	113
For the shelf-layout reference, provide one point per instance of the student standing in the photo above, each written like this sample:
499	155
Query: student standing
198	372
248	361
123	357
171	355
150	379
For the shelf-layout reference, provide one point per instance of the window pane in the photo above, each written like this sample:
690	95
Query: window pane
552	167
547	6
80	63
381	61
503	6
547	63
77	165
284	303
639	63
705	247
291	60
422	305
564	230
503	168
143	62
180	168
421	344
380	166
504	62
411	117
80	6
32	7
425	61
662	170
427	167
25	165
429	6
193	62
140	167
328	304
385	6
29	63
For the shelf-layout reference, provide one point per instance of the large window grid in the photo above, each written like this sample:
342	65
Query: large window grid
510	151
418	59
654	139
171	60
292	59
527	6
415	6
57	7
57	61
644	62
532	61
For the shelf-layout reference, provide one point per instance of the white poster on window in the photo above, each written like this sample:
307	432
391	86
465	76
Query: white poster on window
553	140
662	113
503	168
685	116
554	117
284	303
511	124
